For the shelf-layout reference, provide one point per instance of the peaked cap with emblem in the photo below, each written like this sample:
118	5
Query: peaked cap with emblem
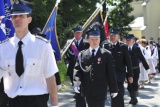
130	36
94	32
114	31
77	29
21	7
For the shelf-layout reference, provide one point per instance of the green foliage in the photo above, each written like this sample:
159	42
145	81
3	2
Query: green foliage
70	13
62	71
120	16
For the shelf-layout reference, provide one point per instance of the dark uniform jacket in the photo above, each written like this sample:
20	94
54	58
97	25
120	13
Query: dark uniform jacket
137	55
95	81
121	59
71	57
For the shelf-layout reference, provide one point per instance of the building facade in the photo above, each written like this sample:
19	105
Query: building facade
147	19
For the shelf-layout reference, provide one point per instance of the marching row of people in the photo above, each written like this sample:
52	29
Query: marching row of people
93	68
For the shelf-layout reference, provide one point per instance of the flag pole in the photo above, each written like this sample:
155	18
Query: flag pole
83	27
56	5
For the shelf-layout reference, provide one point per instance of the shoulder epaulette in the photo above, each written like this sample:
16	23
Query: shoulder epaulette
4	41
41	38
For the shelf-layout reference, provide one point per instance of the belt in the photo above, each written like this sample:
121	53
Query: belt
135	67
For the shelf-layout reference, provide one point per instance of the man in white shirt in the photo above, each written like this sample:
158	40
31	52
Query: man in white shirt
27	63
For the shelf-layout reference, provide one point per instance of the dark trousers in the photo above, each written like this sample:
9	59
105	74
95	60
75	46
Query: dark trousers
134	86
118	101
97	101
3	99
71	79
29	101
80	100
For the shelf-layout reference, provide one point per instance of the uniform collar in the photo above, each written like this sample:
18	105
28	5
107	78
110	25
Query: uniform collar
79	41
24	40
130	47
96	49
113	43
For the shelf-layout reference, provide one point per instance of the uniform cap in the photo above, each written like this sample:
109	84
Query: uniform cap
114	31
77	29
94	32
21	7
130	36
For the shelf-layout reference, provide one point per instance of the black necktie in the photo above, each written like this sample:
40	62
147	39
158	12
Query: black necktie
114	46
19	60
93	50
76	42
130	50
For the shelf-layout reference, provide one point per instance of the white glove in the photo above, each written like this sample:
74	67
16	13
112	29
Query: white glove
113	95
54	106
59	87
76	89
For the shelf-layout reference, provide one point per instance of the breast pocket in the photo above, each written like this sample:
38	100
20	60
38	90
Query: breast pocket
9	67
33	67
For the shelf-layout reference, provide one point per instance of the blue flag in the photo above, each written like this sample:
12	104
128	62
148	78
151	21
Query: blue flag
6	27
51	34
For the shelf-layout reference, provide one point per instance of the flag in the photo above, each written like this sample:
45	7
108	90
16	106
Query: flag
106	27
95	20
9	26
6	27
51	33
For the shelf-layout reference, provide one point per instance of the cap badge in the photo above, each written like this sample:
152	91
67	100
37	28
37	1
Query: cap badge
16	2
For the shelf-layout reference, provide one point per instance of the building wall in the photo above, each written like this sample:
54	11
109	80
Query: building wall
138	9
137	33
152	17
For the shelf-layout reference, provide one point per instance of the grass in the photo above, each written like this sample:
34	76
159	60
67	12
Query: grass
62	72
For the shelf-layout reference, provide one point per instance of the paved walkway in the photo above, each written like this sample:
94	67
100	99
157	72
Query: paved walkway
147	97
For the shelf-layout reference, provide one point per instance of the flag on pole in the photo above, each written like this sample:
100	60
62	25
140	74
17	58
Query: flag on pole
51	33
106	28
6	27
95	20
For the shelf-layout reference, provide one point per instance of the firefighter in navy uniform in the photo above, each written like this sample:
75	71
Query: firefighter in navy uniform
78	45
94	71
136	55
121	60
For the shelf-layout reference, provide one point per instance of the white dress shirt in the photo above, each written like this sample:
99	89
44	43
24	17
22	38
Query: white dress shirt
130	47
39	64
78	41
96	49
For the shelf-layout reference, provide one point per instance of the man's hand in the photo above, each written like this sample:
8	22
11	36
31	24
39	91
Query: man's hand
76	89
130	79
113	95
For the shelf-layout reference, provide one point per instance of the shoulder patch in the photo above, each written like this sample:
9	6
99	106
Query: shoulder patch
41	38
4	41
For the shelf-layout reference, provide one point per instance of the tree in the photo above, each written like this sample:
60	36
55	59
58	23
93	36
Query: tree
70	13
120	16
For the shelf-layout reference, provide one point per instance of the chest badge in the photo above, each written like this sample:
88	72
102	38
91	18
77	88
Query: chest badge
99	60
